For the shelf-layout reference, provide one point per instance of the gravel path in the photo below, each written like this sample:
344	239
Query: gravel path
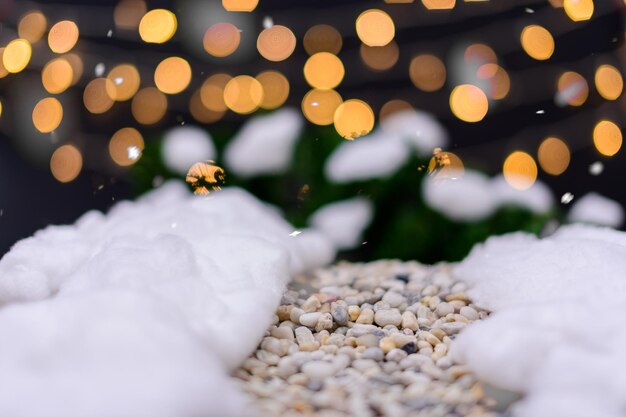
367	340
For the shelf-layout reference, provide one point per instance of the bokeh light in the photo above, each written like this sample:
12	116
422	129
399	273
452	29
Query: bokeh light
520	170
478	54
572	89
319	106
353	118
57	75
172	75
16	55
125	146
95	96
3	70
324	70
158	26
32	26
439	4
243	94
205	177
375	28
469	103
445	165
212	92
221	39
609	82
554	156
240	5
427	72
498	78
537	42
66	163
393	106
149	106
47	114
77	66
322	38
380	58
276	43
200	113
275	89
607	138
63	36
578	10
128	13
124	83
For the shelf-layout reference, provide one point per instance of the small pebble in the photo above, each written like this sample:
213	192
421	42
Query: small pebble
310	319
385	317
354	312
469	313
366	316
318	369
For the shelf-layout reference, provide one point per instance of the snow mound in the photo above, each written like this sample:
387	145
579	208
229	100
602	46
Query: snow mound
422	131
132	313
596	209
184	146
343	222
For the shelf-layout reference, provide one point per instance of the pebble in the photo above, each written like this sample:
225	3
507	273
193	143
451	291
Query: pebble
396	355
394	299
469	313
339	311
310	319
373	353
367	340
305	339
325	322
283	332
366	316
318	369
295	314
443	309
311	304
386	344
354	312
385	317
409	321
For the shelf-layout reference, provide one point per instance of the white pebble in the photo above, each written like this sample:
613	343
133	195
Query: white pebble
385	317
318	369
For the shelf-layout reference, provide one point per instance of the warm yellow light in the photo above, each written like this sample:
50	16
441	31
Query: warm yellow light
239	5
66	163
554	156
399	1
319	106
427	72
479	54
204	177
556	3
609	82
128	13
149	106
520	170
47	114
375	28
380	58
221	39
469	103
158	26
172	75
322	38
323	70
32	26
275	89
125	146
578	10
212	92
393	106
0	108
243	94
77	66
57	75
276	43
63	36
124	83
445	166
200	113
572	89
439	4
499	81
537	42
607	138
95	95
3	70
16	55
353	118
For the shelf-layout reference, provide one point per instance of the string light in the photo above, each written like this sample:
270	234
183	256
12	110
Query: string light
353	118
47	114
212	92
158	26
275	89
16	55
32	26
276	43
200	113
609	82
95	96
319	106
391	107
322	38
172	75
375	28
498	78
469	103
445	166
607	138
63	36
3	70
427	72
537	42
239	5
221	39
479	54
554	156
324	70
77	67
243	94
125	146
380	58
520	170
439	4
149	106
572	89
57	75
578	10
66	163
124	83
128	13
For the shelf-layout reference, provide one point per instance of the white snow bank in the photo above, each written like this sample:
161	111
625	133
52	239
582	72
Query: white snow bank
184	146
596	209
265	144
557	334
343	222
142	312
422	131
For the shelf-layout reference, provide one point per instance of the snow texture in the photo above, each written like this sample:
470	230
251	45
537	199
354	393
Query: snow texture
344	222
265	144
596	209
143	311
420	130
557	334
184	146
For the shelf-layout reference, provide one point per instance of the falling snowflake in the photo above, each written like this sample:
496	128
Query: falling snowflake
133	152
567	198
596	168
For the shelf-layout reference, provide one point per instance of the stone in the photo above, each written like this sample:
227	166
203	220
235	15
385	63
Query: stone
339	311
325	322
443	309
385	317
373	353
469	313
305	339
367	340
318	369
409	321
311	304
283	312
366	316
354	312
386	344
396	355
310	319
267	357
286	367
283	332
295	314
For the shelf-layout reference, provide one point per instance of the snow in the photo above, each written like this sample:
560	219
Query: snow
596	209
344	222
123	314
265	144
183	146
557	333
420	130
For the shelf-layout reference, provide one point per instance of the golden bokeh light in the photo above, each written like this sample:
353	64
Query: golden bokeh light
572	89
520	170
353	118
275	89
57	75
63	36
212	92
439	4
537	42
498	78
172	75
0	108
125	146
469	103
124	83
393	106
200	113
607	138
445	165
276	43
243	94
375	28
77	66
239	5
380	58
319	106
205	177
427	72
578	10
322	38
221	39
158	26
47	114
149	106
16	55
324	71
95	96
609	82
66	163
399	1
479	54
554	156
3	70
32	26
128	13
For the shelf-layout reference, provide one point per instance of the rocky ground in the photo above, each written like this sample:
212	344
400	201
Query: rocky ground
367	340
